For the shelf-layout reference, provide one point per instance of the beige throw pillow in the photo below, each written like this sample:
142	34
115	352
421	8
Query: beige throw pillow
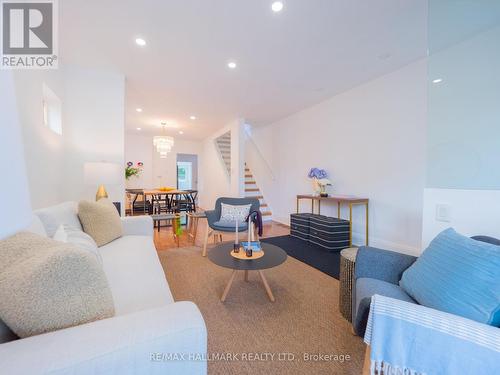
46	285
100	220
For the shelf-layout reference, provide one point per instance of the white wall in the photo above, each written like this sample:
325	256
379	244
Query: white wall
16	204
156	172
93	130
165	170
371	140
214	181
472	212
139	148
95	118
44	149
464	137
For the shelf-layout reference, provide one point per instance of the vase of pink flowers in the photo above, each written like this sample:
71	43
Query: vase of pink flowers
320	181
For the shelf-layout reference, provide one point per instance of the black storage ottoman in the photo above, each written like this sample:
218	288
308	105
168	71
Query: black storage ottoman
299	226
330	233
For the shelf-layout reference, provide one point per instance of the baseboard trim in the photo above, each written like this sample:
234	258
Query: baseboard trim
359	240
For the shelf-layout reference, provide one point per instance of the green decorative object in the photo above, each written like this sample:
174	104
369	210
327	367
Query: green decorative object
130	170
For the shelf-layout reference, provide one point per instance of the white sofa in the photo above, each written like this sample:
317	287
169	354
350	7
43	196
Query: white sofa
150	333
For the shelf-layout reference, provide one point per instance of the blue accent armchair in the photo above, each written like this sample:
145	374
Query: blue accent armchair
216	227
378	271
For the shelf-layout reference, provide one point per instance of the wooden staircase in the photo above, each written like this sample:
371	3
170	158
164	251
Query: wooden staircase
253	191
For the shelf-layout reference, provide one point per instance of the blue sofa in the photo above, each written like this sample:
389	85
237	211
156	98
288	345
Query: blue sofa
378	271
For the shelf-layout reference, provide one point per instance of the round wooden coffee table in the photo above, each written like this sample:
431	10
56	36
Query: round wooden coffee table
273	256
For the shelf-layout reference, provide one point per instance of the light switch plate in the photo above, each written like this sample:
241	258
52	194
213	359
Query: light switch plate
443	213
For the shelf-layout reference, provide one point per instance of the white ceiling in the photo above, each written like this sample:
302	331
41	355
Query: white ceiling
309	52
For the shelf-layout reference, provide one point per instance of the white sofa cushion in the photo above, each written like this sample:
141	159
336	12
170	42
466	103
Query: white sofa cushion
135	274
36	226
64	213
68	234
122	345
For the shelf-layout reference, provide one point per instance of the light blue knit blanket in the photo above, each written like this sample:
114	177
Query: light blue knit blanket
410	339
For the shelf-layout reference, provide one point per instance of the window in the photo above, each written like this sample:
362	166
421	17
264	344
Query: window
52	113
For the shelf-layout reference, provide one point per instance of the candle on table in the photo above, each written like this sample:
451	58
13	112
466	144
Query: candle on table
236	231
249	229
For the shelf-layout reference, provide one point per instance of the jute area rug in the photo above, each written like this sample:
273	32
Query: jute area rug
301	333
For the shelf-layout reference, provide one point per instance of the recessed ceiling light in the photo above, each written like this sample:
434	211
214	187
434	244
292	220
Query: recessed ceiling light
139	110
192	118
163	123
181	132
277	6
231	65
139	129
437	80
140	42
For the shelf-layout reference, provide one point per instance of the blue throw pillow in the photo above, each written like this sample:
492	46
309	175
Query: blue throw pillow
458	275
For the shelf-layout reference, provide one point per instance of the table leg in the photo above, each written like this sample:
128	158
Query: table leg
297	205
246	275
350	224
176	237
319	207
312	205
207	234
367	223
228	286
195	224
266	285
188	224
338	210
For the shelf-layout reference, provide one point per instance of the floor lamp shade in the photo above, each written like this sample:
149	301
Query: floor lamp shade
101	174
15	214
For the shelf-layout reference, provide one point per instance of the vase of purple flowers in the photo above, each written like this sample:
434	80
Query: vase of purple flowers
320	181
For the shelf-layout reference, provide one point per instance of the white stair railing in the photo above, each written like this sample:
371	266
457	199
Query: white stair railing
257	151
223	146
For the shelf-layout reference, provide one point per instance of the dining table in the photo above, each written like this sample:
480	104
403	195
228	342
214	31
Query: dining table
156	192
169	195
155	195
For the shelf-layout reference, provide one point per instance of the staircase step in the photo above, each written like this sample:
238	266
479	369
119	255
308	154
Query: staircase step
252	189
248	176
264	205
267	213
250	183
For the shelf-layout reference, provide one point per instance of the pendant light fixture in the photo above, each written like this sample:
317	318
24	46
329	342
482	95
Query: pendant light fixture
163	143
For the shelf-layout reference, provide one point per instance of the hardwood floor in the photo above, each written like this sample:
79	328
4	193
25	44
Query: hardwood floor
164	239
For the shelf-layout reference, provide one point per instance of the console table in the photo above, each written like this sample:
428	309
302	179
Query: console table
350	200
